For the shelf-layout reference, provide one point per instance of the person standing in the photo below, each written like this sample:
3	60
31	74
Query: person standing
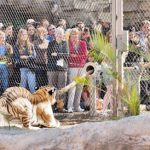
24	55
5	53
57	58
41	45
76	62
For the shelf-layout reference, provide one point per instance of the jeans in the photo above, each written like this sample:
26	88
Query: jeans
28	79
4	77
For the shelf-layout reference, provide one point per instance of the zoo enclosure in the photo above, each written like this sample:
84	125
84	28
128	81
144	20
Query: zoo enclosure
88	11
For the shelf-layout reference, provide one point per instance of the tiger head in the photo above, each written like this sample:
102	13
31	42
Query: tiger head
47	93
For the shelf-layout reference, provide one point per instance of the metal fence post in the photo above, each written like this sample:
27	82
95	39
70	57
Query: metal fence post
114	44
119	42
120	45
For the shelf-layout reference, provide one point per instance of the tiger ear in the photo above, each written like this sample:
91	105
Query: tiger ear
36	88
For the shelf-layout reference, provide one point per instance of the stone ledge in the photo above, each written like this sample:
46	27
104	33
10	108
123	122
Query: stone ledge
78	117
132	133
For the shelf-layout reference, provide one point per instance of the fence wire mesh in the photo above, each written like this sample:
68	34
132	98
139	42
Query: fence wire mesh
27	29
29	54
136	21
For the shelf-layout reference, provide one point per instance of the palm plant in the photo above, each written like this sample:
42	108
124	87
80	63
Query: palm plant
131	98
145	55
102	51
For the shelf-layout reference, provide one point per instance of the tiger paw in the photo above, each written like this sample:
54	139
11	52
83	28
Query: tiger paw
58	123
55	124
35	124
60	104
33	127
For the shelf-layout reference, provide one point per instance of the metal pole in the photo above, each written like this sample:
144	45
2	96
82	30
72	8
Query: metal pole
117	31
114	44
121	59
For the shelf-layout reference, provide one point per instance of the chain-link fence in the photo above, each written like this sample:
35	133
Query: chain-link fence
136	20
31	54
34	58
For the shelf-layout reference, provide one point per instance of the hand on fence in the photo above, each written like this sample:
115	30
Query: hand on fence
24	57
73	55
54	54
3	58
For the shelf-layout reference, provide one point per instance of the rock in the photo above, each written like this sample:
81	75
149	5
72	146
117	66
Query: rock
132	133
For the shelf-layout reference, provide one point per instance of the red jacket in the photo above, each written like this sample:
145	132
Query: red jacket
77	59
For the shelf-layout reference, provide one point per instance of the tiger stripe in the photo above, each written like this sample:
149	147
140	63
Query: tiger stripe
19	103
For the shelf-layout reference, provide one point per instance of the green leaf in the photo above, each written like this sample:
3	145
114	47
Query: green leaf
131	98
102	48
82	80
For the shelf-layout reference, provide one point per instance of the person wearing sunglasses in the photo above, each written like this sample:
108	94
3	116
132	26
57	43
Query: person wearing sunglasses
51	33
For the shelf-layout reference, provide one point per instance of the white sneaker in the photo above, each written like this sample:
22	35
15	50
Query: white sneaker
79	109
104	113
70	110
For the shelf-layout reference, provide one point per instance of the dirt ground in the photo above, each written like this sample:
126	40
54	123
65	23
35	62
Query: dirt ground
70	119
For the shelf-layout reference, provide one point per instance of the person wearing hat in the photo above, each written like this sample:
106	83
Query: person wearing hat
30	21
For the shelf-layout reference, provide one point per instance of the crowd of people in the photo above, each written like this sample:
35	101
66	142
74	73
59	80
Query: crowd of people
139	40
42	53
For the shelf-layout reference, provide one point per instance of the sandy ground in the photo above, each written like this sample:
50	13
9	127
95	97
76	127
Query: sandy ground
67	119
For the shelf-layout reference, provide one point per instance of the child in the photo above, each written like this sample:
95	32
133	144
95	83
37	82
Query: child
85	98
